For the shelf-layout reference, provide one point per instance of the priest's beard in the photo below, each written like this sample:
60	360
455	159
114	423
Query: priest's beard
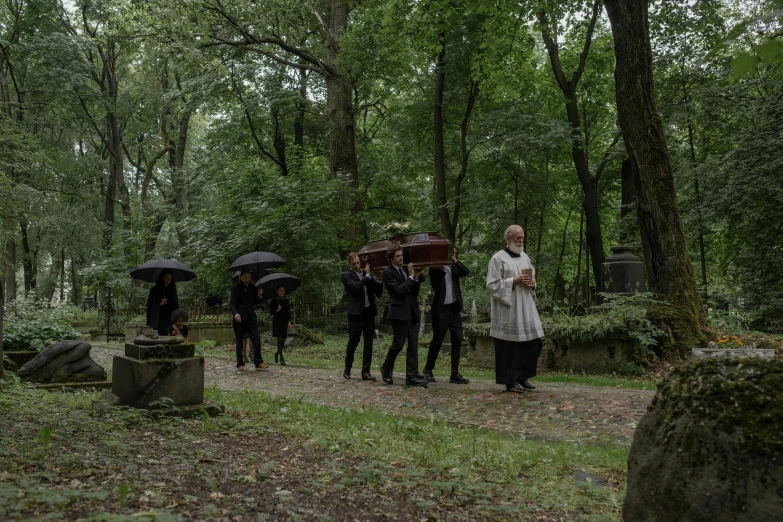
517	249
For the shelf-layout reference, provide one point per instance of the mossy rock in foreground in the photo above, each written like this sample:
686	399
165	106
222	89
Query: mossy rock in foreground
710	447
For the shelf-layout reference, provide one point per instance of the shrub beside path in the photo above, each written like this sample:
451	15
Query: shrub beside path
554	411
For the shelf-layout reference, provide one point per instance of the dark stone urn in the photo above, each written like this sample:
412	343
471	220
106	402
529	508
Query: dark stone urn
158	372
623	272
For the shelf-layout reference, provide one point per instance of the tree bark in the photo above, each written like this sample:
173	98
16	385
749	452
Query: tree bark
669	268
589	182
441	202
28	259
10	266
343	163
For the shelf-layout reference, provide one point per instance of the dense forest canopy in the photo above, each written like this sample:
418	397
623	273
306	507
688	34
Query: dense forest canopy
204	129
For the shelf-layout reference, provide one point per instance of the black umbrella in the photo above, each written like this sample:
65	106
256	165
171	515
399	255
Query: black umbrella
257	262
255	276
151	270
272	282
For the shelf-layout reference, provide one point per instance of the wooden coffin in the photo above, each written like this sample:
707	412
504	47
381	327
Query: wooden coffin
423	249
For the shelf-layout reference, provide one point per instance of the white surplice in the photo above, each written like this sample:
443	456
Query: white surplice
514	313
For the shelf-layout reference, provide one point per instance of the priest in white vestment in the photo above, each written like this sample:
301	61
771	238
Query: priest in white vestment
516	326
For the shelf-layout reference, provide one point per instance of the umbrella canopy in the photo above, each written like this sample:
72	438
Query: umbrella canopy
257	262
255	276
272	282
151	270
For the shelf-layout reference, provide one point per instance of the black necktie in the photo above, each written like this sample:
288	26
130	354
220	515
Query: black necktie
403	275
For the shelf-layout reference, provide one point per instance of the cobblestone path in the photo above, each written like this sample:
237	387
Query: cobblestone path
552	412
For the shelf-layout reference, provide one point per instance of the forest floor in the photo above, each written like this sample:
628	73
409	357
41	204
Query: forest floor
301	443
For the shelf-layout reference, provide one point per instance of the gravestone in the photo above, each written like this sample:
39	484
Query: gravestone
710	447
154	368
66	361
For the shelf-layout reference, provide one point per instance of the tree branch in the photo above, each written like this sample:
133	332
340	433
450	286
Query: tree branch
588	40
600	169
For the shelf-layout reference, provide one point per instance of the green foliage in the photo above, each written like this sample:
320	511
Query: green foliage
35	335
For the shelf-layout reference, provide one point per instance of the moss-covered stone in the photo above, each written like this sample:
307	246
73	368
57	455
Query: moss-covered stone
711	445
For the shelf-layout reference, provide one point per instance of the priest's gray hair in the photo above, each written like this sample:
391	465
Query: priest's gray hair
510	231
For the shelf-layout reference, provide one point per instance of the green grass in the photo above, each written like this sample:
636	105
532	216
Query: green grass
60	457
519	476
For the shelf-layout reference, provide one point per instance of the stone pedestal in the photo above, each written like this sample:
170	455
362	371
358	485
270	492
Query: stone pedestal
152	369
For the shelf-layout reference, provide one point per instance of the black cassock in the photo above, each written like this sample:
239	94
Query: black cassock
516	361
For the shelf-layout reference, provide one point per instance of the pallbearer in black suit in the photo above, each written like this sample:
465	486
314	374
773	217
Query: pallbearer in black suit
403	287
361	289
446	316
244	299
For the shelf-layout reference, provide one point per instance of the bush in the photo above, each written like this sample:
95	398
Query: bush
35	335
35	324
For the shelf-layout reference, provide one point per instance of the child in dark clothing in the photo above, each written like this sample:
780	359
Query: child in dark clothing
177	327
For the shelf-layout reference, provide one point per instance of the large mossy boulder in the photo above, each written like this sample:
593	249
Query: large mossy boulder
710	447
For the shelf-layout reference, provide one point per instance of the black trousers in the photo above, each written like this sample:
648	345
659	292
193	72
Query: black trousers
249	328
360	325
402	330
516	361
449	319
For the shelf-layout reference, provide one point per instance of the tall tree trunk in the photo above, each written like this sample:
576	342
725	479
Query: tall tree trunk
543	210
568	86
28	259
577	281
558	282
343	163
441	202
76	288
665	250
2	313
10	265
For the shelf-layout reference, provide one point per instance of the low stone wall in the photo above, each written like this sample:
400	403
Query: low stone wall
603	356
598	356
221	333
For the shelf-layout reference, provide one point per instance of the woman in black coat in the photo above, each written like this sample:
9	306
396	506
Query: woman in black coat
280	310
161	302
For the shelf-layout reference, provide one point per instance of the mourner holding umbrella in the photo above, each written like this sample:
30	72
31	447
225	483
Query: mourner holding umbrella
162	299
280	285
245	298
280	310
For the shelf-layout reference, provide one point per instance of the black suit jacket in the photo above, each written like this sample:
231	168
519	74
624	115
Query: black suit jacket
403	292
354	287
438	282
244	300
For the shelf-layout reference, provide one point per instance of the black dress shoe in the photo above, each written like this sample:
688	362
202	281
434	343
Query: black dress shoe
428	376
420	377
386	376
515	389
347	374
526	385
367	377
416	383
458	379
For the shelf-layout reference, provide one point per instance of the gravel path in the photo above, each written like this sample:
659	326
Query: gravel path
551	412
